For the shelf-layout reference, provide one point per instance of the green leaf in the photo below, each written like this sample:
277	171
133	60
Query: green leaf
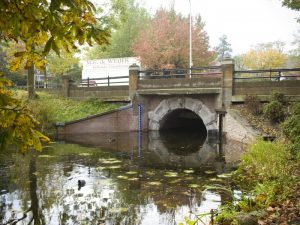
55	48
48	46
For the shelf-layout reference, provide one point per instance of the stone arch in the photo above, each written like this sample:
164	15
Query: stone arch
168	105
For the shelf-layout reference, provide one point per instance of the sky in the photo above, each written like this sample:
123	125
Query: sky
245	22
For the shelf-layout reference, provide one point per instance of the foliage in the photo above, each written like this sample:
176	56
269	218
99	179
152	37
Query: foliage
253	104
274	111
291	126
165	44
17	126
292	4
125	34
265	56
60	65
43	26
268	167
278	96
49	109
224	48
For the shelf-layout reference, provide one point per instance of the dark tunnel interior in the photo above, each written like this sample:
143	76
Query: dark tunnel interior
183	131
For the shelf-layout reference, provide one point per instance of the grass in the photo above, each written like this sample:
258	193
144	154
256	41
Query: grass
49	109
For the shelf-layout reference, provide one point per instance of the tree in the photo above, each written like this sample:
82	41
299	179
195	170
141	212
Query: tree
265	56
292	4
224	48
46	25
59	66
165	44
126	33
17	126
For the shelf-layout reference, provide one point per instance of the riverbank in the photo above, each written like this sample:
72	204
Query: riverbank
49	109
269	172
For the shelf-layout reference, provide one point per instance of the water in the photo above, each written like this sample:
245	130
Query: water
116	179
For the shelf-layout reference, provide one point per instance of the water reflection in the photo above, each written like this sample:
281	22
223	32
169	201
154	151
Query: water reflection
70	184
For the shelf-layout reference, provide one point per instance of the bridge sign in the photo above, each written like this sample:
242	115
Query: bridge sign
112	67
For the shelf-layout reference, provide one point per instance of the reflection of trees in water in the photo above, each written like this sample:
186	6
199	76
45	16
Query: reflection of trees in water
52	197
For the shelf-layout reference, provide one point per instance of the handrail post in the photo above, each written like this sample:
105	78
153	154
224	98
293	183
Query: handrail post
133	80
108	81
227	81
88	82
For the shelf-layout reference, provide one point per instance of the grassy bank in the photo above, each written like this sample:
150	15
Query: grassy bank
269	173
49	109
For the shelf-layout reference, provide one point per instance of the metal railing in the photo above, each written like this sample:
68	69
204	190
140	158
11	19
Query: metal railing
263	75
179	73
106	81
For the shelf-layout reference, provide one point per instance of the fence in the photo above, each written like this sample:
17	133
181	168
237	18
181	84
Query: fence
264	75
179	73
106	81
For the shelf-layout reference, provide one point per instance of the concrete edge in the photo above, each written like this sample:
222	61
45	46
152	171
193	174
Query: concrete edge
244	123
62	124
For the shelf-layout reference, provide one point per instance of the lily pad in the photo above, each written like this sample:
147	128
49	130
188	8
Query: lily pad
193	185
216	179
122	177
224	175
171	174
189	171
131	172
118	210
85	154
133	178
155	183
114	167
46	156
210	172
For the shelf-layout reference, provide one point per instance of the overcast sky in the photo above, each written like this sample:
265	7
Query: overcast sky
245	22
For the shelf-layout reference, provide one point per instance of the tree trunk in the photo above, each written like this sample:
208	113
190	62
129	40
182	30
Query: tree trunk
45	78
30	82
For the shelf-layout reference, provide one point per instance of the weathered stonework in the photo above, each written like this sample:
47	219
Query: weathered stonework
194	105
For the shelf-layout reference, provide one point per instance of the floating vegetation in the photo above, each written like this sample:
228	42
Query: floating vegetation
122	177
84	154
131	172
210	172
216	180
175	181
150	173
155	183
100	168
193	185
118	210
189	171
225	175
114	167
133	178
110	161
189	178
46	156
171	174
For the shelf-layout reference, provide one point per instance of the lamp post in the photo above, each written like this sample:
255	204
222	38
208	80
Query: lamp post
191	60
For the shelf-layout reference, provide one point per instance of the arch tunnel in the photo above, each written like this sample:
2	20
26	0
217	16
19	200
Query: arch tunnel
183	131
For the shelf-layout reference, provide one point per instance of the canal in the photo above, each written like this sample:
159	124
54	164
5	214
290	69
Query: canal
120	178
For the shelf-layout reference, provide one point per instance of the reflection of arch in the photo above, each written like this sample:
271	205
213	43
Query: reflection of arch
168	105
204	156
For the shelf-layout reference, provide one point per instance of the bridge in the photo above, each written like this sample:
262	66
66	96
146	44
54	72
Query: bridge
165	99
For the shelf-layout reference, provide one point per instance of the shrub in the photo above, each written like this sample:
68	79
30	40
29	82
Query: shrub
253	104
278	96
296	108
291	128
268	167
274	111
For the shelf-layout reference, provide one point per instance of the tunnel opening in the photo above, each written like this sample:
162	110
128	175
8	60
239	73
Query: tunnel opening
183	131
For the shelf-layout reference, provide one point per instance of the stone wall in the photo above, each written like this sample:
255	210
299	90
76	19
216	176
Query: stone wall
237	128
110	93
114	121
